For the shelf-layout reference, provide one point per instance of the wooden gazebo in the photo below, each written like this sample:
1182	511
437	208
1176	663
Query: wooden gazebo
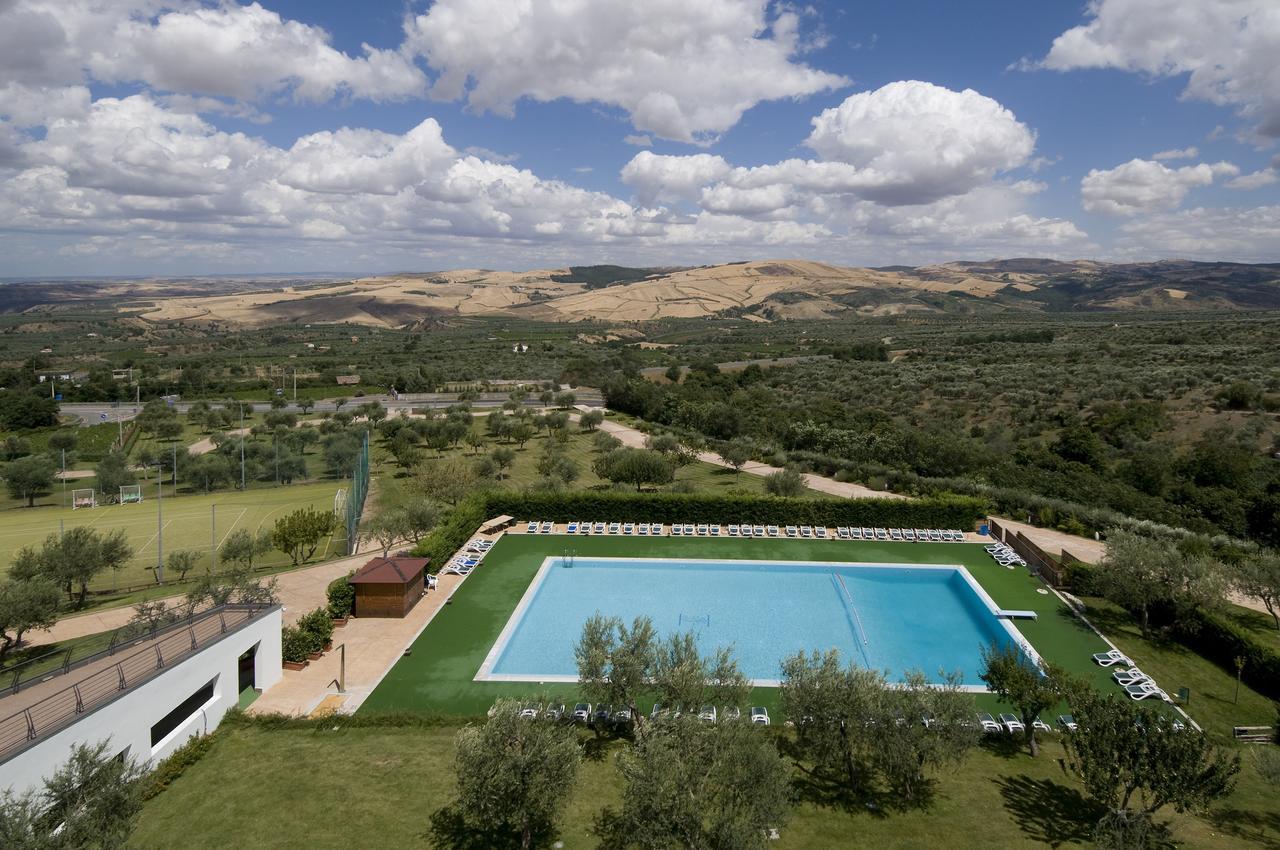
388	587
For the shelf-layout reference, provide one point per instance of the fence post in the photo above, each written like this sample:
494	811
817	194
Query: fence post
31	726
79	700
159	658
191	631
66	664
120	673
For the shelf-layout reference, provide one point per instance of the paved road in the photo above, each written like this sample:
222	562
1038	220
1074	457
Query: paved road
93	413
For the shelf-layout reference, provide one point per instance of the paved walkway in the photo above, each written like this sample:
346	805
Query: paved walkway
300	591
1053	541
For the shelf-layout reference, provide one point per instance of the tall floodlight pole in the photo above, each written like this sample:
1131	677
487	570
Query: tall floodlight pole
295	383
175	469
213	537
242	447
159	525
64	478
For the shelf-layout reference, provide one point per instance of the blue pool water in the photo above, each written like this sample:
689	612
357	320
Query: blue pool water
913	618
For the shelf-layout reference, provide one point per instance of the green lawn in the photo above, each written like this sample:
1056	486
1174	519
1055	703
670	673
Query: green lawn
187	522
437	676
333	786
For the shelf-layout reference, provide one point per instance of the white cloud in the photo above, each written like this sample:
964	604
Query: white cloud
657	177
1243	235
229	50
640	140
683	71
914	142
1256	180
1142	185
34	106
1178	153
1227	47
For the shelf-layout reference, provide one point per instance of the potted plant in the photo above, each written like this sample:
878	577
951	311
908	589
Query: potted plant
342	598
317	626
294	648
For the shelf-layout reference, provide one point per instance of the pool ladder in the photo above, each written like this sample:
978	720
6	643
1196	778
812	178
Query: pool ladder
848	598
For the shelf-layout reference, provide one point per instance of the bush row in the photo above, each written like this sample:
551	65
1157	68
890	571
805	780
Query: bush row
939	512
1221	641
313	631
454	532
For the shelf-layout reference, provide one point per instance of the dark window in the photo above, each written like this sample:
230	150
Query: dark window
182	713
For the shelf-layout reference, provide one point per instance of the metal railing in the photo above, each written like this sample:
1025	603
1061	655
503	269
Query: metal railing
99	687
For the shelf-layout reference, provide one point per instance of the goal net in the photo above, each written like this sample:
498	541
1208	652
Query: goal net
84	499
340	504
130	493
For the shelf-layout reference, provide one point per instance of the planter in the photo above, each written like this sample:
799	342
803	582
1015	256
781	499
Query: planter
314	656
328	645
293	665
339	622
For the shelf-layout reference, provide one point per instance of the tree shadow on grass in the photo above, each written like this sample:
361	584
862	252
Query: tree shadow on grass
1049	812
449	830
1260	829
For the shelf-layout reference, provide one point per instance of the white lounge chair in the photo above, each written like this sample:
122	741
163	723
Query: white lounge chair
882	534
1112	657
677	530
702	529
1040	726
1066	721
656	529
597	528
688	530
1143	690
909	535
644	529
1012	724
806	531
548	527
988	723
615	527
760	715
842	531
629	528
572	527
792	531
1130	676
707	713
715	531
531	528
733	531
895	534
757	531
820	532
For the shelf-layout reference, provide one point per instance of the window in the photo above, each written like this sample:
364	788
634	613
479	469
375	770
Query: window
184	712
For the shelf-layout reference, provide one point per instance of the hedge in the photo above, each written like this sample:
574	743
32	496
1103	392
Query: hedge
607	506
341	595
451	535
1222	642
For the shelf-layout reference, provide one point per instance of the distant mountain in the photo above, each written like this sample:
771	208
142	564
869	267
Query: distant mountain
762	291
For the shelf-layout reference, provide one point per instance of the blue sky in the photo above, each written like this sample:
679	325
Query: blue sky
179	137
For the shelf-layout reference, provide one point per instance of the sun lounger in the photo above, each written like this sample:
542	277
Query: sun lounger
773	531
548	527
792	531
842	531
629	528
657	529
531	711
597	528
582	712
643	529
1130	676
572	528
988	723
935	535
715	531
531	528
1066	721
760	715
1143	690
1040	726
1011	723
677	530
554	711
733	531
820	532
895	534
806	531
701	530
1112	657
757	531
909	535
707	714
615	527
882	534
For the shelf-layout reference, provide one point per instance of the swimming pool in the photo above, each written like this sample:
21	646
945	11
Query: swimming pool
892	617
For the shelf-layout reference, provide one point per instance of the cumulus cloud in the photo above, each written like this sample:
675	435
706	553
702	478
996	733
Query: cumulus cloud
1256	180
1227	47
1242	234
656	177
914	142
1143	185
244	52
1177	153
682	71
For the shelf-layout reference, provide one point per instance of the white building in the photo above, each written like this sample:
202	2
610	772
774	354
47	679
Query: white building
146	700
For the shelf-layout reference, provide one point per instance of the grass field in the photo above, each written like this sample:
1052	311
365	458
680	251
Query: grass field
188	523
337	786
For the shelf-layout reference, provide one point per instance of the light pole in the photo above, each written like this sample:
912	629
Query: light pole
242	447
159	524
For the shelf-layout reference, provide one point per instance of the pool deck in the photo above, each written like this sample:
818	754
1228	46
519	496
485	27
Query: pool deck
438	676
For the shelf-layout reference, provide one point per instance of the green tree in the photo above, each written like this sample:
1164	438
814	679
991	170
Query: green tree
182	562
736	453
91	801
243	547
388	527
475	441
1258	575
299	534
785	482
27	603
63	441
515	778
74	558
113	472
14	447
29	478
1019	681
591	420
1134	767
565	400
905	746
635	466
503	458
721	786
448	479
168	429
1140	573
522	433
615	662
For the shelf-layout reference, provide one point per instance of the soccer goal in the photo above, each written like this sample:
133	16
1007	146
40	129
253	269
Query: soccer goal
130	493
84	499
340	503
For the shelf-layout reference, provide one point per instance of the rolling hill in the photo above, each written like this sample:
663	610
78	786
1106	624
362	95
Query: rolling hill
764	291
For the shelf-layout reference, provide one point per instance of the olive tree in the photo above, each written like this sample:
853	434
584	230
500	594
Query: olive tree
29	478
635	466
1022	683
1258	575
785	482
515	778
25	603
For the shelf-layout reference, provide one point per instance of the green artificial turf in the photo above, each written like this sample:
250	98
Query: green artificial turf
436	677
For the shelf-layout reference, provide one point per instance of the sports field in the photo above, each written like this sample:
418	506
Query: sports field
437	676
189	522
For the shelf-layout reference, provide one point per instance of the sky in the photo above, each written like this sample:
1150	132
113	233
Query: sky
179	137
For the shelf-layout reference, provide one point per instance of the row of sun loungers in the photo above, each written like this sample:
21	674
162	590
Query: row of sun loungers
1005	556
607	715
1136	684
470	558
808	532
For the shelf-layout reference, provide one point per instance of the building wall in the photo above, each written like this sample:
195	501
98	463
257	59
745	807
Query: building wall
387	600
127	721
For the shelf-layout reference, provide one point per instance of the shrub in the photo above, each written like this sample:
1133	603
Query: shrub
176	764
295	645
342	596
317	627
1222	641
